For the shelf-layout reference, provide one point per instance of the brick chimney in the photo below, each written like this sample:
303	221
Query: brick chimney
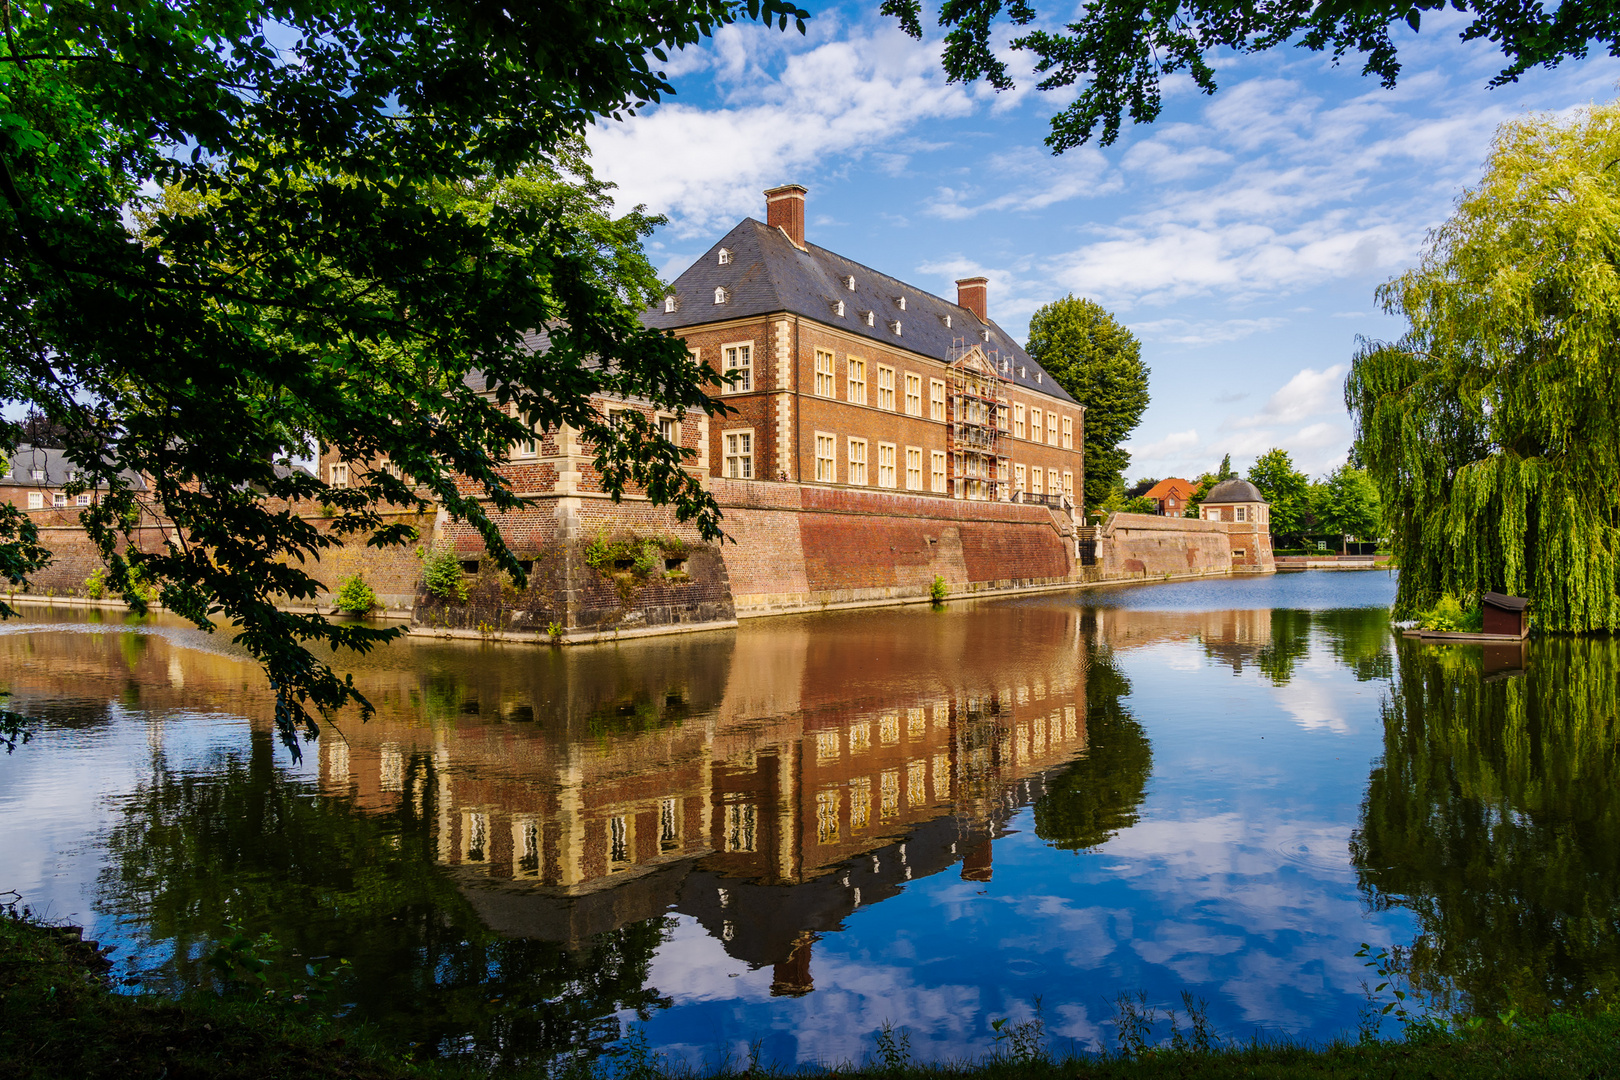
784	209
973	293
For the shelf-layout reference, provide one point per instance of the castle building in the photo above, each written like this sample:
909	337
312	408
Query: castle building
842	376
1245	511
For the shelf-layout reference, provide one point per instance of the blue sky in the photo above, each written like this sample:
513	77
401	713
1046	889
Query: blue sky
1240	237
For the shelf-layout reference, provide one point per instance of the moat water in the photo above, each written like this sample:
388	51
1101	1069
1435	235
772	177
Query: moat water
776	840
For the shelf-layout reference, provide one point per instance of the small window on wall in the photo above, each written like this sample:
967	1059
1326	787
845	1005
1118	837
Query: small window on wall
885	387
1240	513
1238	553
1003	418
857	382
1068	484
36	500
339	475
669	303
936	471
668	429
826	459
857	461
936	399
1036	482
739	362
886	465
1020	477
914	468
913	394
1212	514
1018	420
825	387
739	455
524	447
1068	433
1051	428
1052	481
1034	425
81	500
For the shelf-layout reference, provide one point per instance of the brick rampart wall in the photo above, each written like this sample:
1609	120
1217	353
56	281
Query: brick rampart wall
1147	546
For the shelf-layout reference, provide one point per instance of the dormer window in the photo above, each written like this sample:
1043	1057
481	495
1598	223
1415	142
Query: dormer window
838	307
1023	372
36	474
987	335
902	302
947	321
725	260
1037	378
669	302
895	326
849	282
721	296
869	318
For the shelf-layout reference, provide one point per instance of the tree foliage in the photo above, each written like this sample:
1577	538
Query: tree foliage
1284	487
376	201
1346	503
1118	51
1099	362
1492	428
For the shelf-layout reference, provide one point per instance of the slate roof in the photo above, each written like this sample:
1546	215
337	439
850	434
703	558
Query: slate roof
767	274
55	466
1233	491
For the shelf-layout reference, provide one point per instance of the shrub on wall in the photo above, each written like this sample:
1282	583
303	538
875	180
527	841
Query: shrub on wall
355	596
441	575
629	560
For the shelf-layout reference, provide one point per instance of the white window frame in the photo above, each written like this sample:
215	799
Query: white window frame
58	498
913	394
720	294
1035	421
669	428
887	465
1037	481
857	386
936	399
338	474
669	304
1068	484
725	257
737	456
826	374
914	468
729	353
1003	417
82	499
857	461
1240	513
1212	513
1020	477
826	462
1052	482
1068	433
1018	420
885	387
36	500
1051	428
937	473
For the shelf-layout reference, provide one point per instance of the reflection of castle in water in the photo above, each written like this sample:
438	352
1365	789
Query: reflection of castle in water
1232	638
767	790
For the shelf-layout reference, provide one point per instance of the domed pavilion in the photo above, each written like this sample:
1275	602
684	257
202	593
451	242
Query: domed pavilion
1239	506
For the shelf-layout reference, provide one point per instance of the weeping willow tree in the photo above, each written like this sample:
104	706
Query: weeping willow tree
1492	428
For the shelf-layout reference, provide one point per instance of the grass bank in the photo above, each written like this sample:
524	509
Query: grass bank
60	1018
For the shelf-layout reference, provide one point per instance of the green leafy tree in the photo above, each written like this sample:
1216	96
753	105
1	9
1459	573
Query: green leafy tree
1099	362
338	266
1285	488
1117	51
1492	427
1346	503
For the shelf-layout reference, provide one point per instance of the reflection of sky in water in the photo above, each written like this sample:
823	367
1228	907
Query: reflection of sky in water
1235	883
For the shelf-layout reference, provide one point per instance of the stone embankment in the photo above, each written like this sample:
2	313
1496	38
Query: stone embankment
603	570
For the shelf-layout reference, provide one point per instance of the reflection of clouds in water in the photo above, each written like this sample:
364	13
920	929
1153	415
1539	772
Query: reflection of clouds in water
1315	706
1253	908
691	966
855	996
1074	1022
183	637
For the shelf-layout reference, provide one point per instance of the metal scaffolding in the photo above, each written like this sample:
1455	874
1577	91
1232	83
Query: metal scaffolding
975	405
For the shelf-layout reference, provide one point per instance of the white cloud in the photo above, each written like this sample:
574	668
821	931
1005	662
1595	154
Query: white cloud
831	103
1309	393
1173	445
1178	331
